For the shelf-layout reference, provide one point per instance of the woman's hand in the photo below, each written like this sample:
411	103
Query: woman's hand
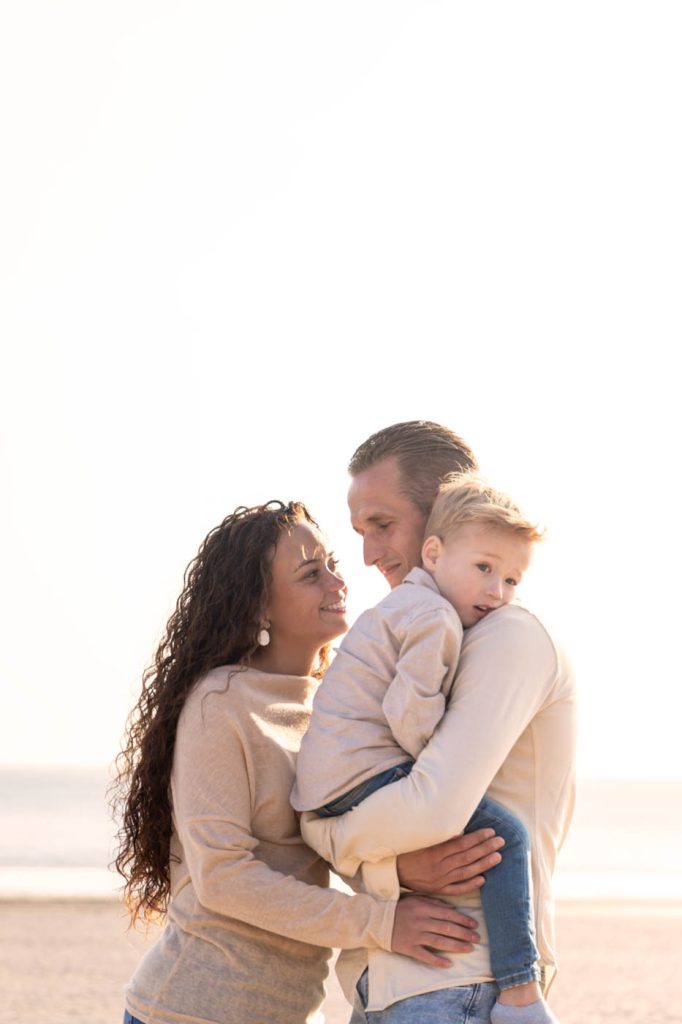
452	867
423	925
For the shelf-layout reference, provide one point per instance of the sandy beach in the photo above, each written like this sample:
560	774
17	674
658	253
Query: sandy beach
66	962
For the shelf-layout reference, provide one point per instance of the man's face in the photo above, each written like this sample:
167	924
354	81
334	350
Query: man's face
392	527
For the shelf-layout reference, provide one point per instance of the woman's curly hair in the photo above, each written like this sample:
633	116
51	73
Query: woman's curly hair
216	621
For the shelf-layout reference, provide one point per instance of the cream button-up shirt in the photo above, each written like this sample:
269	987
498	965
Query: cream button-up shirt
383	694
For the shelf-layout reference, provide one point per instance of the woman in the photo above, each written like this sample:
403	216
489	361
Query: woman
208	833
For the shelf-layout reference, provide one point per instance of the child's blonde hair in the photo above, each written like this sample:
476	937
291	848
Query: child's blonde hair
467	498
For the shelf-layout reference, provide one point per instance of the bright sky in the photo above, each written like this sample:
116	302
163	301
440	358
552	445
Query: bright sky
237	238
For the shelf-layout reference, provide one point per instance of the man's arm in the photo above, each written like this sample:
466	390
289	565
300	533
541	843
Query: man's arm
451	868
506	672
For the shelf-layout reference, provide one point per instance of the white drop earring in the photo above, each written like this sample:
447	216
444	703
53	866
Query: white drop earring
263	635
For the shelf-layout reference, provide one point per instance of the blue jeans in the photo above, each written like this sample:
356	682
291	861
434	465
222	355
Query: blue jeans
466	1004
128	1019
359	793
506	898
506	895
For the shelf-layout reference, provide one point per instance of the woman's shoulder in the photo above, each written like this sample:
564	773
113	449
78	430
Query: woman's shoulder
228	698
219	680
242	685
219	691
218	707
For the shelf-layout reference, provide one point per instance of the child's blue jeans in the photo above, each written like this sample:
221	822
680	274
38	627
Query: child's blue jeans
506	895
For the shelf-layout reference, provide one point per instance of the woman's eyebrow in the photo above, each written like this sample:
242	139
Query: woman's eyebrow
322	556
308	561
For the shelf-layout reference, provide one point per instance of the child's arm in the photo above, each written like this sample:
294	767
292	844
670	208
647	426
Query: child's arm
507	672
416	697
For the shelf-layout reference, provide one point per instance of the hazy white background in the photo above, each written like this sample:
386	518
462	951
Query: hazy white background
236	238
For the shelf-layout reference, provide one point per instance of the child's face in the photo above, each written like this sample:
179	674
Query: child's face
477	568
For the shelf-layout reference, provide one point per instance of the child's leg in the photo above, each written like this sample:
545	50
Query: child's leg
507	905
506	898
358	793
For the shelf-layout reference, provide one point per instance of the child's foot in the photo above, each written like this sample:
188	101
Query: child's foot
532	1013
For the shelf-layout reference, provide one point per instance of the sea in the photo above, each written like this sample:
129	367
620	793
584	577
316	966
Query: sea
57	839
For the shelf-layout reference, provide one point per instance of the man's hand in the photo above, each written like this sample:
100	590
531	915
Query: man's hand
423	925
452	867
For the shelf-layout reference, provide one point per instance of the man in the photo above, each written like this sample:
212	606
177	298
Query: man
395	475
500	733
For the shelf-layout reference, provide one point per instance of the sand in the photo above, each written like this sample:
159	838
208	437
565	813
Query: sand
67	963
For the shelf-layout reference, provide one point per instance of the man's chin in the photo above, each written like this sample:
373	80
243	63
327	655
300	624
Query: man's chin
394	576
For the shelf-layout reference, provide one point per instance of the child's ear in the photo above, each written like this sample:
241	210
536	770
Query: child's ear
431	550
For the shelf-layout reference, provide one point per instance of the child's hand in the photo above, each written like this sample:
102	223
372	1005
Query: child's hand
424	925
452	867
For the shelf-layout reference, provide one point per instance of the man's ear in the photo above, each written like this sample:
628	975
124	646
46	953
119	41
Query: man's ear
431	550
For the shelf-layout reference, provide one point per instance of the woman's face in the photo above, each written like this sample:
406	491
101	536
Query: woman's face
307	605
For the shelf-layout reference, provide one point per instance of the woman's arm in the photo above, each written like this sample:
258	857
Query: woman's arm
212	810
506	672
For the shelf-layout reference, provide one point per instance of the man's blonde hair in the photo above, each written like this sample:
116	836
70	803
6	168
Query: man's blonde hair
467	498
426	453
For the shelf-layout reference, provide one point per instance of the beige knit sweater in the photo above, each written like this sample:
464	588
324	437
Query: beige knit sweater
250	918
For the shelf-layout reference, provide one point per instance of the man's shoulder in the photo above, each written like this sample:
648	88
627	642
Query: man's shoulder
514	616
516	631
